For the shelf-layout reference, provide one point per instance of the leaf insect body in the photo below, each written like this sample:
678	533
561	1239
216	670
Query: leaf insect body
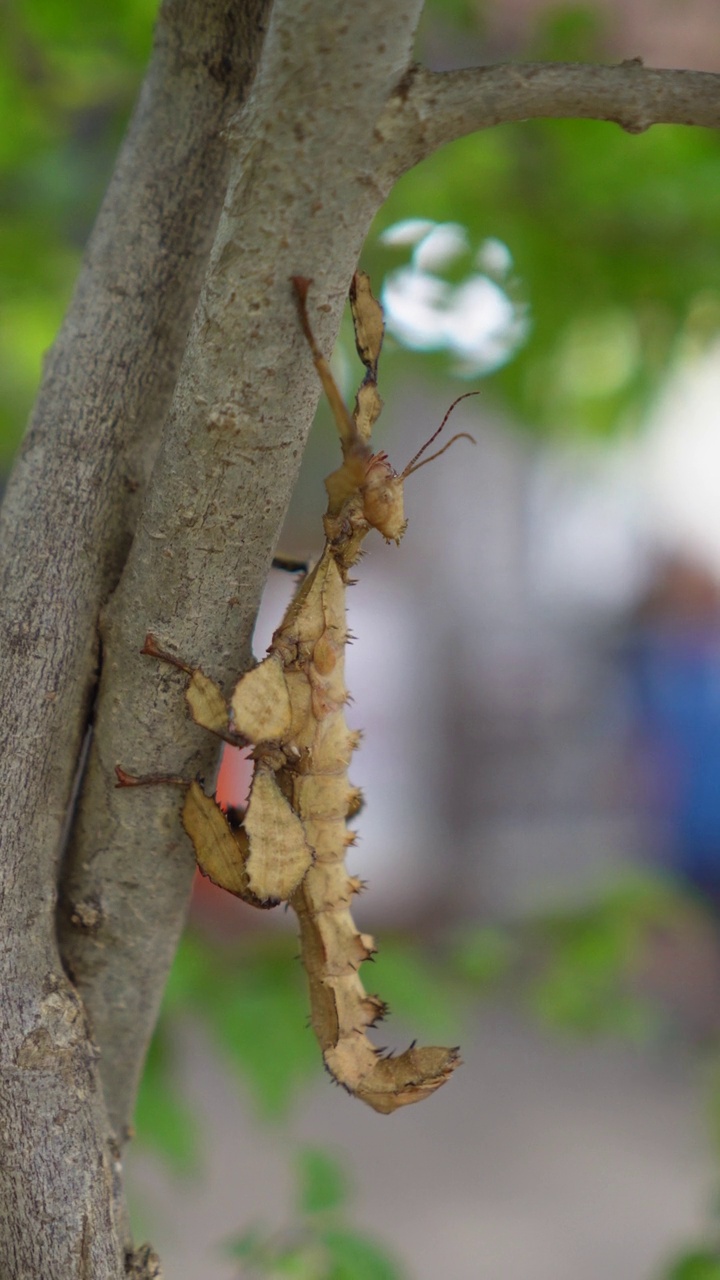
292	842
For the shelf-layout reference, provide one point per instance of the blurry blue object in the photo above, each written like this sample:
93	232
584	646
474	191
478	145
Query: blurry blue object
675	669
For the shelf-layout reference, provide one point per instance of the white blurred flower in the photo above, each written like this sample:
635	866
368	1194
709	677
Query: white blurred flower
409	231
476	319
446	241
494	257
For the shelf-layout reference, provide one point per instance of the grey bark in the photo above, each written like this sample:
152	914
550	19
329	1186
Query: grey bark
439	107
336	113
64	531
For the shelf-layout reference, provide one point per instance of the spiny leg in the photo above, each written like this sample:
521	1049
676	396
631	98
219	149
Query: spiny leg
208	707
343	419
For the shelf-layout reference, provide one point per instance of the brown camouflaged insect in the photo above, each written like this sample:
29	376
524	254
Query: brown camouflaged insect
291	844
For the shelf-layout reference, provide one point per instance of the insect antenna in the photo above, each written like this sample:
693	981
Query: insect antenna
414	465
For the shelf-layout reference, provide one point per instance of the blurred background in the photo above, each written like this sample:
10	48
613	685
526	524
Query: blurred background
537	674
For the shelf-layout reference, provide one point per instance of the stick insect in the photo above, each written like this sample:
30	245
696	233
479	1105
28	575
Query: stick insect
292	841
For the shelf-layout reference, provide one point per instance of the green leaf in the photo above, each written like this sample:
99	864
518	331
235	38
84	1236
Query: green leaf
322	1181
355	1257
701	1264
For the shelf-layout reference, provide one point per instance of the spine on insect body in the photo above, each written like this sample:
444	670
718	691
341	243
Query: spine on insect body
319	745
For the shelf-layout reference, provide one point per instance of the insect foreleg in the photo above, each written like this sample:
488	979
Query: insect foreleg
208	707
343	419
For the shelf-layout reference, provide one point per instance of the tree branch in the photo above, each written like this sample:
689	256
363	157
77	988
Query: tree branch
433	108
65	527
301	197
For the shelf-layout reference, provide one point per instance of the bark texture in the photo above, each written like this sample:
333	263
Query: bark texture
438	107
65	528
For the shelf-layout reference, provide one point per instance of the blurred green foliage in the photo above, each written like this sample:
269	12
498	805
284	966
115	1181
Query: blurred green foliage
322	1181
251	999
584	980
483	955
68	79
700	1264
615	247
163	1117
575	970
419	990
613	238
319	1244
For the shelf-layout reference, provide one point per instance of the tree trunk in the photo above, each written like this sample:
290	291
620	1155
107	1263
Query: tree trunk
66	524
